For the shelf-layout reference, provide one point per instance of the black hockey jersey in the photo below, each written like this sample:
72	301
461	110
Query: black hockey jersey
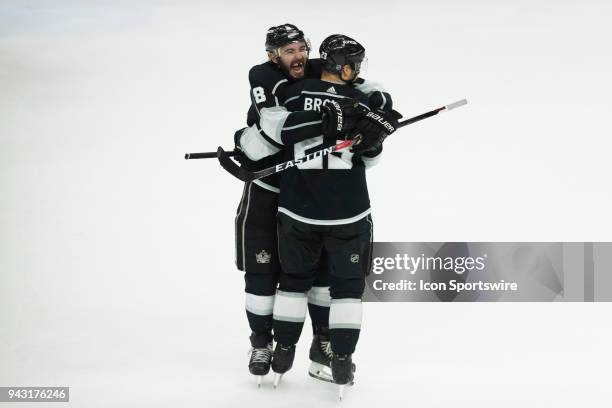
261	143
267	81
329	190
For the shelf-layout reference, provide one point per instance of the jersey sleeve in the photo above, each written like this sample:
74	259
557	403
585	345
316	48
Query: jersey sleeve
266	115
265	83
299	124
378	97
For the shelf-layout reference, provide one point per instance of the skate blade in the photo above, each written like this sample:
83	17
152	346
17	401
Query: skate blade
259	380
341	388
320	372
277	378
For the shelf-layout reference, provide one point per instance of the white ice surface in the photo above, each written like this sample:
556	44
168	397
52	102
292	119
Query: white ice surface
116	255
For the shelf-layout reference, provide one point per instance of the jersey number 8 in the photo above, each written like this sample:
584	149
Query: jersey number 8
259	94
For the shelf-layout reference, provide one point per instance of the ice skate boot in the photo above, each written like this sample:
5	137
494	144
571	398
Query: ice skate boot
282	361
320	358
342	371
261	356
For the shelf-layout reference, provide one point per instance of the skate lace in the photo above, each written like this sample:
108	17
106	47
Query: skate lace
326	348
261	355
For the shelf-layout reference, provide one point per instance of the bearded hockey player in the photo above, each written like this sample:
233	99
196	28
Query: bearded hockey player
256	237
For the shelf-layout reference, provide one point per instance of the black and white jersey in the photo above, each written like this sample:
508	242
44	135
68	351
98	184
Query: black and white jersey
261	142
267	81
328	190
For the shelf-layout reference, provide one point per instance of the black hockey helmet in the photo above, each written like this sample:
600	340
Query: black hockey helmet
284	34
338	50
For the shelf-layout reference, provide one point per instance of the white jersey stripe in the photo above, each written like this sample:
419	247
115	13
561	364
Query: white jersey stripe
290	99
246	214
267	186
315	122
323	222
277	84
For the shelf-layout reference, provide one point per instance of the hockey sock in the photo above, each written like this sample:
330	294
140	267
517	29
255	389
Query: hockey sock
259	314
319	302
289	316
345	324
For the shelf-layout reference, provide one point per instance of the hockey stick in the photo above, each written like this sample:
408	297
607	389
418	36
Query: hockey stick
230	166
209	155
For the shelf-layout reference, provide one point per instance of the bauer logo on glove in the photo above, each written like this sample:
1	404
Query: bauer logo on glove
375	116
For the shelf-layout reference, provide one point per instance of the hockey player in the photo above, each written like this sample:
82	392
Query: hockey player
256	237
324	205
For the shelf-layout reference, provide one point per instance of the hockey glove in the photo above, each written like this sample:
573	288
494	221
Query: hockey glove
339	118
372	130
378	100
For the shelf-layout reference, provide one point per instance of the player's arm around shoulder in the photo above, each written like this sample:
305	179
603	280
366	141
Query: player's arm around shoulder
300	124
378	96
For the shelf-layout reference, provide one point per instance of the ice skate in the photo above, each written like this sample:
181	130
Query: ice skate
282	361
261	356
320	359
342	372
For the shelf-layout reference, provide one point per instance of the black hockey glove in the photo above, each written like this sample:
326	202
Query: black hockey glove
378	100
339	118
372	130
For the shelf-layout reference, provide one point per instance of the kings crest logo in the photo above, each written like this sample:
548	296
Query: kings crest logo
263	257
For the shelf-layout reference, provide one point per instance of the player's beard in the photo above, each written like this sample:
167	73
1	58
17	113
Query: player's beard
295	69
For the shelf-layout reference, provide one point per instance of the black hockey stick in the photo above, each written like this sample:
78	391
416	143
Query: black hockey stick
230	166
209	155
